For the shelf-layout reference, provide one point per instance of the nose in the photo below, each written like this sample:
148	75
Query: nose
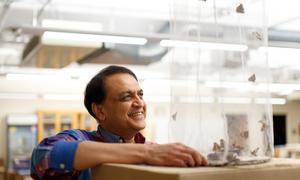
138	102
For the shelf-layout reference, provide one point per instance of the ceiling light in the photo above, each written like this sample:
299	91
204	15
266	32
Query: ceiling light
203	45
259	87
91	40
149	98
234	100
64	97
8	52
18	96
72	25
194	99
278	87
228	84
22	119
278	56
279	49
278	101
37	77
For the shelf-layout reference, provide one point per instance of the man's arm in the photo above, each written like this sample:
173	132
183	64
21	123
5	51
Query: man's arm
89	154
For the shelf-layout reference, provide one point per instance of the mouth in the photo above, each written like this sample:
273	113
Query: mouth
136	114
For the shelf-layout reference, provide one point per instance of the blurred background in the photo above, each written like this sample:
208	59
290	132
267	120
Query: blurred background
49	49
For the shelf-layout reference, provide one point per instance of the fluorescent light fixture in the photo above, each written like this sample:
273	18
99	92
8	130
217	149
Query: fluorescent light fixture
72	25
278	101
278	87
186	99
234	100
284	87
88	40
37	77
193	99
18	96
277	56
259	87
227	84
207	99
203	45
8	52
278	49
157	98
63	97
22	119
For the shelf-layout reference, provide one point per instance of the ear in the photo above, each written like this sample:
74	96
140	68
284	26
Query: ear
98	111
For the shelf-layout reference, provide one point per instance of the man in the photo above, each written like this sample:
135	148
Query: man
114	98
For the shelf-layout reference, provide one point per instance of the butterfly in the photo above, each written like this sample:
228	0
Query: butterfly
252	78
257	35
245	134
254	152
219	148
174	116
240	8
237	147
264	124
233	157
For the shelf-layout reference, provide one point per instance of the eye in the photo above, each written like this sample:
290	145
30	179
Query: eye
126	98
141	94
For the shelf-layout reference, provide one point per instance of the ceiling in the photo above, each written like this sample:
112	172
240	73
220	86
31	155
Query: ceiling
22	23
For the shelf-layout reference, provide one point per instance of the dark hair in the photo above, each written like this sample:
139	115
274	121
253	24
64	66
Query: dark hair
95	91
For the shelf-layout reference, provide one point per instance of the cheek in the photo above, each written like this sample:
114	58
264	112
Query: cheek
119	111
123	109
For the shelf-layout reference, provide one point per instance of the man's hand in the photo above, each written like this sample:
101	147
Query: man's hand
175	154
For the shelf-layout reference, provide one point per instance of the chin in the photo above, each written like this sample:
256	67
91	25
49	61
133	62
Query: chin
140	126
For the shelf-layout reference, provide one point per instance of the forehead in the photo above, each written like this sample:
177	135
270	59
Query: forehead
121	82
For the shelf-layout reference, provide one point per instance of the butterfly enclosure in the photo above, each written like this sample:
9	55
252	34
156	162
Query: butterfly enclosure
220	98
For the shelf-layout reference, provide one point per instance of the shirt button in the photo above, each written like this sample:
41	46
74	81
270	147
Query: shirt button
62	166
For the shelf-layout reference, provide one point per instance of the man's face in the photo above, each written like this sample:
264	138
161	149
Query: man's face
124	108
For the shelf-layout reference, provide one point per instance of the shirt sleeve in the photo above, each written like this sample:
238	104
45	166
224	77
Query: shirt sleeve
54	156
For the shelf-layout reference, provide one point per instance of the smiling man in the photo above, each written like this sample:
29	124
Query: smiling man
114	98
124	110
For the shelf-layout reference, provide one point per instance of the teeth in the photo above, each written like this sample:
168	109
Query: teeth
136	114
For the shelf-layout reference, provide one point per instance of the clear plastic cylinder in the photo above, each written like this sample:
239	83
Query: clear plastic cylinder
220	98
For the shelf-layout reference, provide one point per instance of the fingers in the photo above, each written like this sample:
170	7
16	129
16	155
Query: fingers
190	156
177	163
199	158
186	158
175	154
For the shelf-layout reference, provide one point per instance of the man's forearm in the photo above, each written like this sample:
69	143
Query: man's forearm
89	154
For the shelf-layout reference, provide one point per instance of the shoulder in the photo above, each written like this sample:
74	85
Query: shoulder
77	134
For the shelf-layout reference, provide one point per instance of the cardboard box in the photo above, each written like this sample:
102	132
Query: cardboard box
276	169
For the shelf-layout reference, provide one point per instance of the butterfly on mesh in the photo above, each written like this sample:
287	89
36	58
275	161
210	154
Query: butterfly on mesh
240	9
219	147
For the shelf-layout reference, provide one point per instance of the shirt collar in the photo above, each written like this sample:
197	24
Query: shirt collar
113	138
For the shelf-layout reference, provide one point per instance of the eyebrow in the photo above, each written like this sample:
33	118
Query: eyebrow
128	92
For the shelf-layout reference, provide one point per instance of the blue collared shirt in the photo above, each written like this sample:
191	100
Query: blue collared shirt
53	158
